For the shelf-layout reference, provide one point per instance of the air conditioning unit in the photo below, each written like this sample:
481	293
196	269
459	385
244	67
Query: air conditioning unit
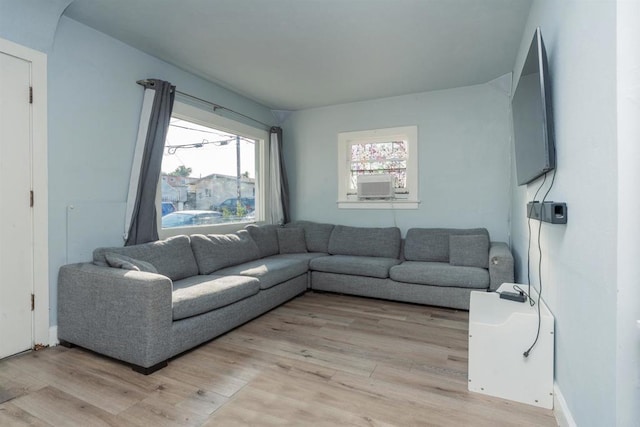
375	187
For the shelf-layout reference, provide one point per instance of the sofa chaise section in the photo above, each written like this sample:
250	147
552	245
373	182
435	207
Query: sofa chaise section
146	303
124	314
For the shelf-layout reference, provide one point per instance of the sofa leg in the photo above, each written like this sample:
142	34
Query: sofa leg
151	369
66	344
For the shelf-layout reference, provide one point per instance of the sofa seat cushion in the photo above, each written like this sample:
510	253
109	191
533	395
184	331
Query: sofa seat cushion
355	265
200	294
171	257
440	274
306	256
270	271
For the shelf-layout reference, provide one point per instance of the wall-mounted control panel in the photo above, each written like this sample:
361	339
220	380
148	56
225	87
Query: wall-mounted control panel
552	212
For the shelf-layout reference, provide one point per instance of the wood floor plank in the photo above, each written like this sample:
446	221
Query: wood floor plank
320	359
237	416
287	349
443	403
363	407
58	408
204	377
15	383
11	415
301	407
108	394
155	412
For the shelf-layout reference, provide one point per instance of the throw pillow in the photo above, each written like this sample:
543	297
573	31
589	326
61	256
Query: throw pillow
127	263
265	237
172	257
469	250
291	240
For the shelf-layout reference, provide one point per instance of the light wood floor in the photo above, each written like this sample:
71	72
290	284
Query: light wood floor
321	359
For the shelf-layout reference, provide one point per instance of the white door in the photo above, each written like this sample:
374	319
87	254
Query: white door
16	229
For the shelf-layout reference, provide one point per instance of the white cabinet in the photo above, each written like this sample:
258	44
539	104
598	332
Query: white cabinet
500	331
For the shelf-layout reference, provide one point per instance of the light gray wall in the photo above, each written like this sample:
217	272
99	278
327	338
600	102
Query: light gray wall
94	108
579	263
464	158
628	332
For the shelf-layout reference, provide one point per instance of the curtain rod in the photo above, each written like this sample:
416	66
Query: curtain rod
212	104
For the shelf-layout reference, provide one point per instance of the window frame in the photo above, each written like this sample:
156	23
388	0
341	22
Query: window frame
409	199
194	114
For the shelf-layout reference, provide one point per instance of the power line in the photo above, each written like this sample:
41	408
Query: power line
171	149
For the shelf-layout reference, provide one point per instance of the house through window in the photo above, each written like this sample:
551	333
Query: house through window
209	174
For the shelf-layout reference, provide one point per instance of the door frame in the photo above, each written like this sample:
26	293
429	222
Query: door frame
42	335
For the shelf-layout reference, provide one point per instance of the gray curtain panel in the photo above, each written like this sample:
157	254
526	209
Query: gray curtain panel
280	190
144	220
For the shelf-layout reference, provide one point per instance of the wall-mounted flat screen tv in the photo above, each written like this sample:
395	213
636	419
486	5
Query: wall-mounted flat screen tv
533	116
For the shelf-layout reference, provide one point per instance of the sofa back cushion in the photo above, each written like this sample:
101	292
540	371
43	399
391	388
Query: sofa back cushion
265	237
316	234
172	257
365	241
216	251
291	240
469	250
432	244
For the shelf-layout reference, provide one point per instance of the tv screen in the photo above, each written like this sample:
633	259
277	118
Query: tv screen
533	116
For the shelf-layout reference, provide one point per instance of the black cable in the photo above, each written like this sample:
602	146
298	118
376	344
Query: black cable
544	198
531	209
522	292
211	131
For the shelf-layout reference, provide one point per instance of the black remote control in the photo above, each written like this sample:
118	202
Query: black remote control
513	296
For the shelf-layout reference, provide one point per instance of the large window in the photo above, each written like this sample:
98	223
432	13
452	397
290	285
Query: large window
211	172
390	151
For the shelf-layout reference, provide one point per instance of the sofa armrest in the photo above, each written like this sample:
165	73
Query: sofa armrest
120	313
500	265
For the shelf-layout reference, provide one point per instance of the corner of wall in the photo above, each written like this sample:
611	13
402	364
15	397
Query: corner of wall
32	23
561	410
503	84
53	336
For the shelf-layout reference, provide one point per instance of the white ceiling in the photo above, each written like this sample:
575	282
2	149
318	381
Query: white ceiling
297	54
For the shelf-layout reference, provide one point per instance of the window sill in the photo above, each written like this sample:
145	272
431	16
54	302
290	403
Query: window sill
378	204
224	228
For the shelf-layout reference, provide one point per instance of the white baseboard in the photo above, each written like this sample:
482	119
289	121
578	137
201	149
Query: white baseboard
561	410
53	336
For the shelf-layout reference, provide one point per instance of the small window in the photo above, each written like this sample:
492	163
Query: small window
390	151
211	172
375	158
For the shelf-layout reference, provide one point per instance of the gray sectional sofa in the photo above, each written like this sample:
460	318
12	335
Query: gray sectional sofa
147	303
